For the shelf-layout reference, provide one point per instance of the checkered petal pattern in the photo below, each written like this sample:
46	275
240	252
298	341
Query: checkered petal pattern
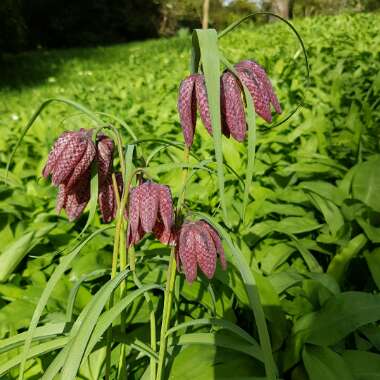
198	244
150	210
260	88
104	156
232	106
187	108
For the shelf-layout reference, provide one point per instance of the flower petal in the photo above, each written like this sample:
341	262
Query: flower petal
232	106
149	205
166	206
202	102
187	108
186	253
83	164
205	251
57	149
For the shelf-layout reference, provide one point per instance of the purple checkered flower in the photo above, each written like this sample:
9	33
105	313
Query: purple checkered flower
198	244
150	210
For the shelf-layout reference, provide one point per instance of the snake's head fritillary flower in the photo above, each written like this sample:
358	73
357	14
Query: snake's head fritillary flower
70	158
193	95
232	106
254	77
150	210
198	244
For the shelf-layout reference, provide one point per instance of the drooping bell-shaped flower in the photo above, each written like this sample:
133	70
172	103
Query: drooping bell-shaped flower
198	244
233	114
70	158
193	96
150	210
256	80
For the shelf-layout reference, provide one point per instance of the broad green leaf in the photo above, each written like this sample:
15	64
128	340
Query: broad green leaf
363	365
373	261
208	362
324	363
338	265
366	183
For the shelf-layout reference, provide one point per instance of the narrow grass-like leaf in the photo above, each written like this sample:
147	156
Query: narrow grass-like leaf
206	40
109	316
44	332
56	276
223	323
35	351
74	291
216	339
79	341
253	296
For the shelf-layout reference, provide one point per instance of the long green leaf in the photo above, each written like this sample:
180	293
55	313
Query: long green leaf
79	341
36	351
56	276
206	42
227	325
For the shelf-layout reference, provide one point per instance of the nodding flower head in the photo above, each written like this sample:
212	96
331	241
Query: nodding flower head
150	210
70	158
193	95
198	244
256	80
69	164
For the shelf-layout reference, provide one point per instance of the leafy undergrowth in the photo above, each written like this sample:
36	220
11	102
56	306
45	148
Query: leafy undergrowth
312	229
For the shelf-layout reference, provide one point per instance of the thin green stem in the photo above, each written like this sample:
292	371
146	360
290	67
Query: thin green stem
170	282
123	291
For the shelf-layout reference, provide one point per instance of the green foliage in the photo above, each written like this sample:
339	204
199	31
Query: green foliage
308	250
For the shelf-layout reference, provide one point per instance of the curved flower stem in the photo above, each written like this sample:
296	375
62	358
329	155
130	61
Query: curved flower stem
170	282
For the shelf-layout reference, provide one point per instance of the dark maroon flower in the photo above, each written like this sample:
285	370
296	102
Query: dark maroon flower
256	80
198	244
150	210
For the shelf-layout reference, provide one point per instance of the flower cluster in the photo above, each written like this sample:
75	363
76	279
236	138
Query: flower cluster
150	206
193	96
69	164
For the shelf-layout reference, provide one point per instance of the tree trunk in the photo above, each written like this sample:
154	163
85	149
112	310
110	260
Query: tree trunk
206	8
281	7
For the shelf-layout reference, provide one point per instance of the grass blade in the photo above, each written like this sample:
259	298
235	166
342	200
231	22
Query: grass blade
58	273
